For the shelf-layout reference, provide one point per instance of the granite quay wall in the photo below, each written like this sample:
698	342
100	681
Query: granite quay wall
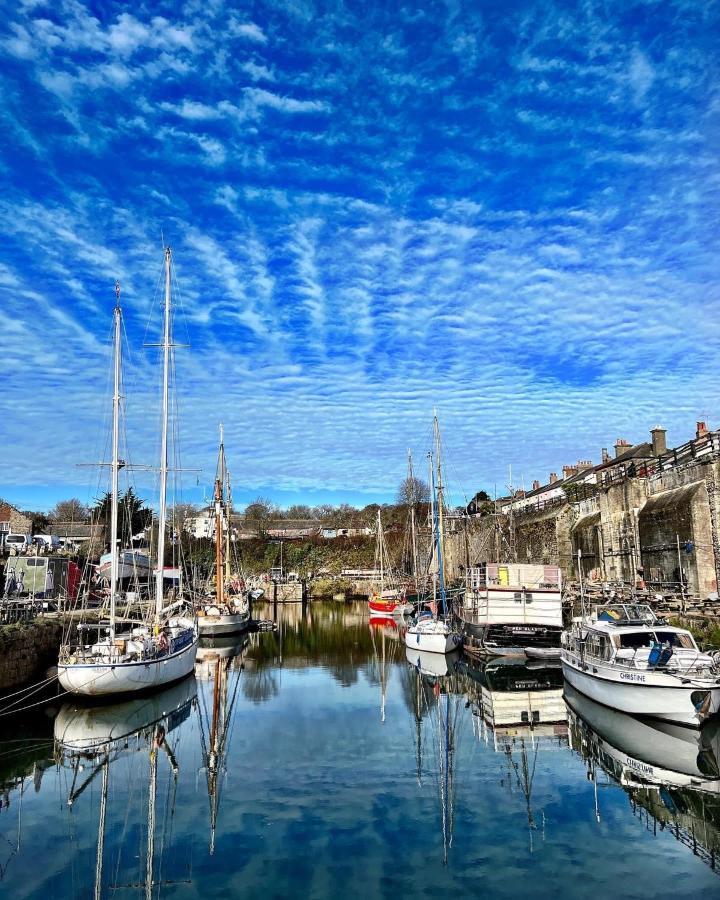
660	526
27	649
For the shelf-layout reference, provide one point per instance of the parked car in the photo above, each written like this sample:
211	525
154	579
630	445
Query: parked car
20	542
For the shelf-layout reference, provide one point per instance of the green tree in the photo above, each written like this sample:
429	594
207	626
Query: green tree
133	516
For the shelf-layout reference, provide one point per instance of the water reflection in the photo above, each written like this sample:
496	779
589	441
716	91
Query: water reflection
669	773
518	710
216	658
327	753
437	699
94	738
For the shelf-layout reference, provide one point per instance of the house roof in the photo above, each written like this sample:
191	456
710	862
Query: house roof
6	511
637	451
77	529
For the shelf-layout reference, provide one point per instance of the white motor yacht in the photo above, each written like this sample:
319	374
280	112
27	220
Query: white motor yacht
625	657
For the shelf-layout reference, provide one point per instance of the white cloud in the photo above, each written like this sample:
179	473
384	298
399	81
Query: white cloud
248	30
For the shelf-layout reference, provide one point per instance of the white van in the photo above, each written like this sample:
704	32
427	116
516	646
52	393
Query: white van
19	541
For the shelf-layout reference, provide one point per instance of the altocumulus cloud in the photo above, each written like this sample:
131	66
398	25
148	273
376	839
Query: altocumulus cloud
511	215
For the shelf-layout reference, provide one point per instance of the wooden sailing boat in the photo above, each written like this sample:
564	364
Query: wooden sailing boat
149	654
430	632
228	611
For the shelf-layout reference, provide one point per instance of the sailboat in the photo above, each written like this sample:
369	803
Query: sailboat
228	611
429	632
390	599
145	654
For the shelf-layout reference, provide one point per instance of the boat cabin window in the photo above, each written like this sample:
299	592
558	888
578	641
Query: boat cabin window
676	640
635	639
598	645
647	638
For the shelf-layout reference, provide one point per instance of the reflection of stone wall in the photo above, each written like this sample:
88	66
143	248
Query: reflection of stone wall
26	650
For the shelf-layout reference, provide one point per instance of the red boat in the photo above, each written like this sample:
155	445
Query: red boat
389	602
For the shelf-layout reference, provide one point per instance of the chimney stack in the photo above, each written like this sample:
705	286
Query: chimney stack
605	456
701	430
536	485
659	444
621	446
583	464
569	471
553	477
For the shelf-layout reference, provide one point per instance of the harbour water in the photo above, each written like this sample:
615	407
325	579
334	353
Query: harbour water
325	760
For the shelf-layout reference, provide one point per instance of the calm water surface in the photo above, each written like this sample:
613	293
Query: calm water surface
318	761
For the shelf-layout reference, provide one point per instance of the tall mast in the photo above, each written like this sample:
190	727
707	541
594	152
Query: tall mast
228	516
116	464
413	534
219	478
164	442
440	498
380	552
440	504
433	544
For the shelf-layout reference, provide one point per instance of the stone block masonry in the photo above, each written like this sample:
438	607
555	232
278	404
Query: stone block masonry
27	650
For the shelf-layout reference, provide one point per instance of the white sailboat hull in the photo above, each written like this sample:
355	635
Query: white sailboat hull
645	693
107	679
432	637
230	623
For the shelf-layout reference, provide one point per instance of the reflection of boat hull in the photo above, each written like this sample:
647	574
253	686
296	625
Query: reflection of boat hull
222	647
90	727
437	665
432	636
644	693
517	699
230	623
379	619
108	679
652	751
505	674
542	652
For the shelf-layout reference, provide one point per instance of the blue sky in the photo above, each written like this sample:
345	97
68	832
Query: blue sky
507	211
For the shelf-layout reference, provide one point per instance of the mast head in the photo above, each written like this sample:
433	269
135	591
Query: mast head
117	295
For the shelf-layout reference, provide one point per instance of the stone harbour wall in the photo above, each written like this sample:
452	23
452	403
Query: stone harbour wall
26	650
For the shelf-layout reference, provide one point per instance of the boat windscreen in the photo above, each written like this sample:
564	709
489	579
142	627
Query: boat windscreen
675	639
